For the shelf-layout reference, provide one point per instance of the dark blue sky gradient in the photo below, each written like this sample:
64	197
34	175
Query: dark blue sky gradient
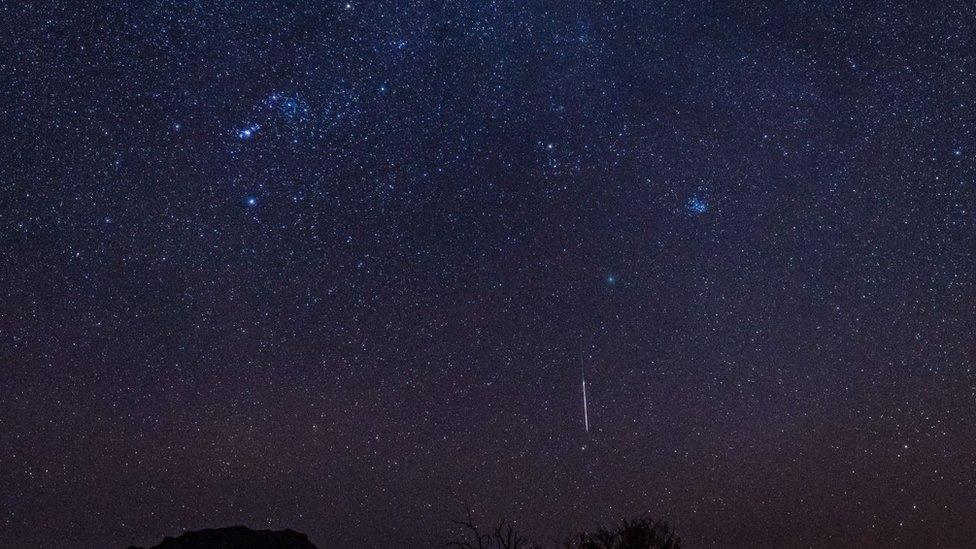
331	267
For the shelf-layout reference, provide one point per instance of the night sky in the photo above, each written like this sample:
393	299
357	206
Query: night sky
333	266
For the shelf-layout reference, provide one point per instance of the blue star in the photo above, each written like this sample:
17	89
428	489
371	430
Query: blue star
251	201
696	205
610	279
248	131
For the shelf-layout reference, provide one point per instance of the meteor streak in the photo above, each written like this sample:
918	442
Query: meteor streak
586	417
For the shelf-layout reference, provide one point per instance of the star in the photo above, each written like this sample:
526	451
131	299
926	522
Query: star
697	205
248	131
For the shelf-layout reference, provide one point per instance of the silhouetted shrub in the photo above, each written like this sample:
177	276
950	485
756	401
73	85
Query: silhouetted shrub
641	533
503	537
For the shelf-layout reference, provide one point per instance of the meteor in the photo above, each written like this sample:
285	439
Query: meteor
586	417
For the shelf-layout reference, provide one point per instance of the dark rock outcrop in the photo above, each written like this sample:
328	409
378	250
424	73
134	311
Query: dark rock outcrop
237	537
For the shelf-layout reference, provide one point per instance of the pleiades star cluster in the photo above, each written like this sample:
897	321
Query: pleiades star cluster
336	266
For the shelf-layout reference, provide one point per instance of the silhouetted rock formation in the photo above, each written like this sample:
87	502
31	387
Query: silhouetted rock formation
237	537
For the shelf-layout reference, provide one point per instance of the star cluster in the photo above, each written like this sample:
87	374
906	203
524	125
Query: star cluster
332	267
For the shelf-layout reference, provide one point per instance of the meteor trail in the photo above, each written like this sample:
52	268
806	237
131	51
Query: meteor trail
586	417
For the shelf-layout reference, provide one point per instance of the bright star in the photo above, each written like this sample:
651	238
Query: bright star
251	201
248	131
696	205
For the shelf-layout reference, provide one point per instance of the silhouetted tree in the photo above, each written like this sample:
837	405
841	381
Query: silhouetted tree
503	537
642	533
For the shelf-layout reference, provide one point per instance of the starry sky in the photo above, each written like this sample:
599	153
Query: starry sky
333	266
